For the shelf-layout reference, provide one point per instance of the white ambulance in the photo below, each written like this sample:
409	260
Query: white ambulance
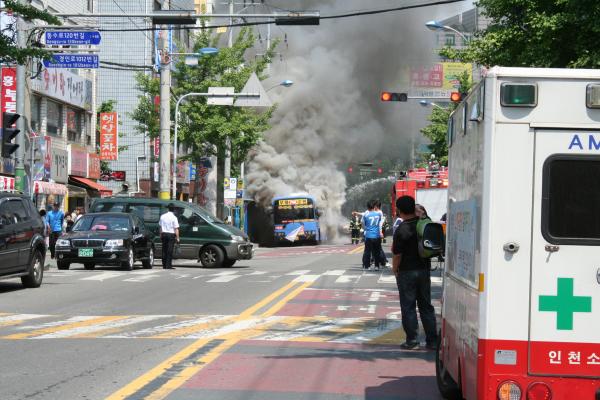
521	302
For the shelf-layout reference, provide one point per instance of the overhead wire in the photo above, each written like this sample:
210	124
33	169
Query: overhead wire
271	20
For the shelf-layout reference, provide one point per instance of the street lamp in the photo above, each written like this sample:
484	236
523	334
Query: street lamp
436	26
286	83
426	103
201	52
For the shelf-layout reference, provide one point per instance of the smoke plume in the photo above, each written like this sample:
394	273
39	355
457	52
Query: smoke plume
332	115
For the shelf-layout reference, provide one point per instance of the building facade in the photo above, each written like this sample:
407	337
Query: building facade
60	157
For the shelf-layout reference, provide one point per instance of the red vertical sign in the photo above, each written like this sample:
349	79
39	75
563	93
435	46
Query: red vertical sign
8	96
156	147
109	144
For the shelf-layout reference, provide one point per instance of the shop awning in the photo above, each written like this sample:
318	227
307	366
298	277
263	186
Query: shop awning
90	184
41	187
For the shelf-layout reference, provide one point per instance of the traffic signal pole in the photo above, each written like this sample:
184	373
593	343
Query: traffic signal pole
20	139
165	116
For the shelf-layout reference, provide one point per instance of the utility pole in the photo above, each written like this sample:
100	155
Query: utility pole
165	114
20	139
227	168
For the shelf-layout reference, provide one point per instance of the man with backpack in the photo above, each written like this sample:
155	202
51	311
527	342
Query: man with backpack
412	277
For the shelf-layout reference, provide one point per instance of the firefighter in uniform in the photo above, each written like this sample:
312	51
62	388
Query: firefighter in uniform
355	227
384	228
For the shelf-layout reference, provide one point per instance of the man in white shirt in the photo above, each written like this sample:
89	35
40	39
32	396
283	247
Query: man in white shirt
169	233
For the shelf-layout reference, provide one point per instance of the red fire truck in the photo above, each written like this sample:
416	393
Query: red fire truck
428	187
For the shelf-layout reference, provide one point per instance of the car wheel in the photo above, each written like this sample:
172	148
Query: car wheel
62	265
446	385
89	266
212	256
128	265
36	271
228	263
149	262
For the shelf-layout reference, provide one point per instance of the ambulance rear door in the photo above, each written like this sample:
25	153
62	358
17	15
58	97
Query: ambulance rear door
564	329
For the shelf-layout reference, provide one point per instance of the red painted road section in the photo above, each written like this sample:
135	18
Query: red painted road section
346	369
267	369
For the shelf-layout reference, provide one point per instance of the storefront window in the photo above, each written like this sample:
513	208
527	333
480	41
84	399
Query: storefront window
75	125
36	114
55	118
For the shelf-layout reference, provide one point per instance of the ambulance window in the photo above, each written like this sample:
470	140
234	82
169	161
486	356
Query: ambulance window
459	121
450	137
570	211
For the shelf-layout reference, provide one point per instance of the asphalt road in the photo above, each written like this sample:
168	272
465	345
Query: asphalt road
293	323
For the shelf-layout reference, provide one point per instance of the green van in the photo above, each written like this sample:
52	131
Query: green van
202	236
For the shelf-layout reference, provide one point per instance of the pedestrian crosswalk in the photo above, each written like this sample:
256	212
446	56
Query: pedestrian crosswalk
335	276
193	327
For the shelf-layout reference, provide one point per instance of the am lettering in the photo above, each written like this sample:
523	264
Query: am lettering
592	143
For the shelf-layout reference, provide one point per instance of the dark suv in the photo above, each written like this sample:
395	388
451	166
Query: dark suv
22	244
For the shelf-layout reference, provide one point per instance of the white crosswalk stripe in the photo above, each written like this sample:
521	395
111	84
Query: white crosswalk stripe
83	330
224	278
14	318
103	276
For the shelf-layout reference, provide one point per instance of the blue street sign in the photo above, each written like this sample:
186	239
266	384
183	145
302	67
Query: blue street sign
72	61
72	38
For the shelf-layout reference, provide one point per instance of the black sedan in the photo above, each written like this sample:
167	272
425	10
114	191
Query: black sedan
106	239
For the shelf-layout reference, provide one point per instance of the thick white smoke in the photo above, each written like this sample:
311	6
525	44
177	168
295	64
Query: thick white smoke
332	115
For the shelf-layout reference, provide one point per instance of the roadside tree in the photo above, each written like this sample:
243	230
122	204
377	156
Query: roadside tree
535	33
9	51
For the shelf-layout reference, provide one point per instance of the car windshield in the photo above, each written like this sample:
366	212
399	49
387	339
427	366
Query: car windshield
102	223
206	215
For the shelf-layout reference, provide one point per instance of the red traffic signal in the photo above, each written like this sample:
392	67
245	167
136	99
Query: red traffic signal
380	170
456	97
392	96
350	169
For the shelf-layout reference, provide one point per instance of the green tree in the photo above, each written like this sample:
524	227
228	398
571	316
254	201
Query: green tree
535	33
9	51
437	130
206	129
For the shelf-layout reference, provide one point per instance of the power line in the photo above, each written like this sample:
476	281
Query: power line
325	17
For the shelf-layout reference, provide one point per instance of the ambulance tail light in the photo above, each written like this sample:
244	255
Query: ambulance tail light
592	96
509	390
539	391
518	94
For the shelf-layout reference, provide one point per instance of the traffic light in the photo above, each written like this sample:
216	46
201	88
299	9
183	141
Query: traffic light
350	169
392	96
9	133
380	170
456	97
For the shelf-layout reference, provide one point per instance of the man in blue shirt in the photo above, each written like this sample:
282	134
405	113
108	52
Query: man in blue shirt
372	221
55	219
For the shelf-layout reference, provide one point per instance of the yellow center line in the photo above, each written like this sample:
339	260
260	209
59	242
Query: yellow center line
230	340
357	250
54	329
191	329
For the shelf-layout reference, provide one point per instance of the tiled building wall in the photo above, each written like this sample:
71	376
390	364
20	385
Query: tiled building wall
117	82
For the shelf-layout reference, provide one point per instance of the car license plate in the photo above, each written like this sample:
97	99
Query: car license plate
86	253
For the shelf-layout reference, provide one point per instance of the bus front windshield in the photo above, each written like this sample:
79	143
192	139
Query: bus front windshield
293	210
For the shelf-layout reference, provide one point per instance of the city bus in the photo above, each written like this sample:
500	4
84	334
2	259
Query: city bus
296	219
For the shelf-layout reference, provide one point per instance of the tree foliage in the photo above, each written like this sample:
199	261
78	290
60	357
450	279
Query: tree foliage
146	113
204	128
437	130
536	33
9	51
